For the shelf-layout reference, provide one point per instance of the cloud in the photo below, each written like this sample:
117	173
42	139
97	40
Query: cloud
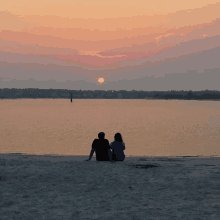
198	72
13	22
65	53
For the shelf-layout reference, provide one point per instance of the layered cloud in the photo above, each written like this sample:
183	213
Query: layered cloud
102	42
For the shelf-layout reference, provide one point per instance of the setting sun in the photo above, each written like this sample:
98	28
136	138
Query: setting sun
101	80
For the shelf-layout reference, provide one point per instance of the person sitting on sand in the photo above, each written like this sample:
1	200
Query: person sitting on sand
118	148
101	148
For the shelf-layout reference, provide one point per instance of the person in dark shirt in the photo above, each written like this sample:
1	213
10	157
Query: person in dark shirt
101	148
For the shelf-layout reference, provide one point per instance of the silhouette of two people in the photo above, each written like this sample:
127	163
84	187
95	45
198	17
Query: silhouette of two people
108	152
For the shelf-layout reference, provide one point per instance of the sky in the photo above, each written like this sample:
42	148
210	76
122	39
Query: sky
110	45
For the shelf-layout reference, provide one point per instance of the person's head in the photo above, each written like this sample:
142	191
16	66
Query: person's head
101	135
118	137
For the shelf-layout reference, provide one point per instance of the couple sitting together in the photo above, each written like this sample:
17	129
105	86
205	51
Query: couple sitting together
108	152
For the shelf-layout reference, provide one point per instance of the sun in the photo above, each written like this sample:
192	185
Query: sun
101	80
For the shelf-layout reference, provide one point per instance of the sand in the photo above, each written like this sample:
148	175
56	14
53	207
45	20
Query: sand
68	187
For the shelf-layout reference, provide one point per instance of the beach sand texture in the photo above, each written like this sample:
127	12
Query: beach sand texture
68	187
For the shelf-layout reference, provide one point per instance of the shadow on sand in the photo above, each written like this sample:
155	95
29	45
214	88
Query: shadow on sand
144	166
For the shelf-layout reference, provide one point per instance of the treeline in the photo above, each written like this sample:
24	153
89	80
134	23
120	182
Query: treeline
109	94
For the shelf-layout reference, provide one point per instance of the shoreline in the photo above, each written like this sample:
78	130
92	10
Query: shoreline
14	93
51	98
84	157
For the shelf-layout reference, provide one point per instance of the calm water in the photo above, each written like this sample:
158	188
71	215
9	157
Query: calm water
148	127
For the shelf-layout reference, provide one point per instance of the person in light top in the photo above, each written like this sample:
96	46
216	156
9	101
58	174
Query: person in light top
118	147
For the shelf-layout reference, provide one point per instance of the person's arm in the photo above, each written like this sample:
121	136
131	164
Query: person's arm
91	154
123	145
110	155
110	152
110	145
92	150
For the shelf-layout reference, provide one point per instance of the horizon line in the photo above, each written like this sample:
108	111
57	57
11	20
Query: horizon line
119	90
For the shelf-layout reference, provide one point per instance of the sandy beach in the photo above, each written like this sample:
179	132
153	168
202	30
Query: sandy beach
68	187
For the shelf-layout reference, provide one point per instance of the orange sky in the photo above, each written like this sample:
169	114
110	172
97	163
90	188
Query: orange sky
101	35
99	9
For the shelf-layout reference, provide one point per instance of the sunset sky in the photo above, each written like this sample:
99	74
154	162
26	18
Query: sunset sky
142	45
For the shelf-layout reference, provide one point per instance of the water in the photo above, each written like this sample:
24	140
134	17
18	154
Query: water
148	127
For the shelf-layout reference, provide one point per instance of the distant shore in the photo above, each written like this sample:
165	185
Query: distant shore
15	93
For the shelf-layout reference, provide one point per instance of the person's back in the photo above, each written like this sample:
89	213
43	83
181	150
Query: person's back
101	147
118	150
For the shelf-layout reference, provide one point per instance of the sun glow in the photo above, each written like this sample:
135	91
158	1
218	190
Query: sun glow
101	80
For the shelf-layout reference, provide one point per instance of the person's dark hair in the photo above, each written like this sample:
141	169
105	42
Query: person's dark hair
118	137
101	135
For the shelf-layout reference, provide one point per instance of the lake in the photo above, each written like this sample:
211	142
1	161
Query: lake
148	127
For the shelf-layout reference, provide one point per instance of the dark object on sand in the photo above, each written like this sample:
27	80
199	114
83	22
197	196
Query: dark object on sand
2	178
145	166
